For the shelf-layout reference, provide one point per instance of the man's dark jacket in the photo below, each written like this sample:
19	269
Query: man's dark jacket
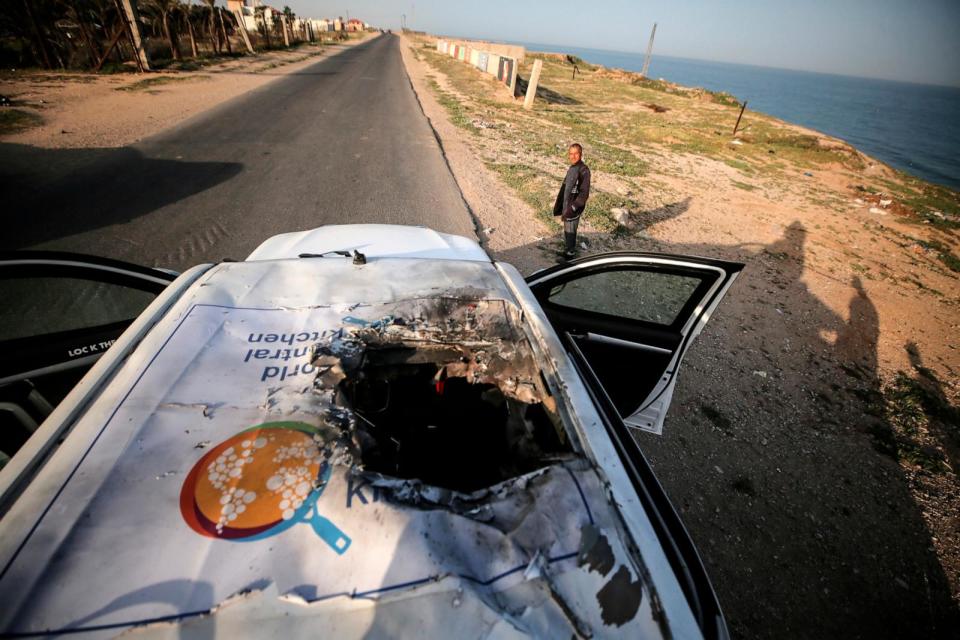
574	192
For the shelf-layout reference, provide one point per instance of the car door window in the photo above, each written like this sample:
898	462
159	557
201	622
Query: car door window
35	306
655	297
59	313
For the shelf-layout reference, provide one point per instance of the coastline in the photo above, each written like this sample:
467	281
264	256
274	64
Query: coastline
906	125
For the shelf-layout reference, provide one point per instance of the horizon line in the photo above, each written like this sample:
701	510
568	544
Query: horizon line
730	62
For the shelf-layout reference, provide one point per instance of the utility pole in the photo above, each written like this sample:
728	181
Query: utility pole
283	23
403	22
133	20
737	126
242	26
646	61
223	30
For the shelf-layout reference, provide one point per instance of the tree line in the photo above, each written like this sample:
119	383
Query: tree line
92	34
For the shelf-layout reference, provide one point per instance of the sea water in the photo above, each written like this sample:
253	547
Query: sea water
913	127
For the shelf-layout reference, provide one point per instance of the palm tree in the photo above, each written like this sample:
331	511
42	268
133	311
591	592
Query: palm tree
187	15
164	9
214	34
261	20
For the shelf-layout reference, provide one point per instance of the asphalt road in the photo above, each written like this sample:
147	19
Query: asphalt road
340	141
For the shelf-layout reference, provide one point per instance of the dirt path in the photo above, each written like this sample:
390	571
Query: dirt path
505	221
81	110
812	445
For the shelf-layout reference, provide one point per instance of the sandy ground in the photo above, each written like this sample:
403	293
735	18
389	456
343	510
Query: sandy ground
771	449
81	110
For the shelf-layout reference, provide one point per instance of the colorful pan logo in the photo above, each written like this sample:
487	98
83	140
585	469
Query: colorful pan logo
258	483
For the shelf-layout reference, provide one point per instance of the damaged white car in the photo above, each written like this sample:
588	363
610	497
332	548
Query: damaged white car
360	431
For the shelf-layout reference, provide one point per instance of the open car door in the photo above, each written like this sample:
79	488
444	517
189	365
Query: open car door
632	316
59	312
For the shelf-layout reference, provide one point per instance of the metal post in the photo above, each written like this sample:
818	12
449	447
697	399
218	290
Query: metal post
532	85
242	26
738	117
223	31
133	22
646	61
113	42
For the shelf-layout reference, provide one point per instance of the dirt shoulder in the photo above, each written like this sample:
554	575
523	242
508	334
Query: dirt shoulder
83	110
813	442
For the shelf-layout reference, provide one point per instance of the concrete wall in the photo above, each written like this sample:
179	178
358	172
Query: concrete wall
496	62
514	51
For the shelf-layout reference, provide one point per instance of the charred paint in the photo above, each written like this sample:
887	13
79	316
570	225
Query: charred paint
620	598
595	552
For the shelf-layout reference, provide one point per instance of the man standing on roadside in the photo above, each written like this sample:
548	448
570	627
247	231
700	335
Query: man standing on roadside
572	198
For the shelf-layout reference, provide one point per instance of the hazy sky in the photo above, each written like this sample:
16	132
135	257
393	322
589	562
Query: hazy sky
914	40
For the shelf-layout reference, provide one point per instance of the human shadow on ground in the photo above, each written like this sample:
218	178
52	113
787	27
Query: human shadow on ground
649	217
769	455
54	193
544	93
928	391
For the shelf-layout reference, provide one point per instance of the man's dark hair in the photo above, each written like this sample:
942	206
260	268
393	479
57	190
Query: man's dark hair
576	145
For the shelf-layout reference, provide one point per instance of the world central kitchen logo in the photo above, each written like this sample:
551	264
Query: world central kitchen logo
260	482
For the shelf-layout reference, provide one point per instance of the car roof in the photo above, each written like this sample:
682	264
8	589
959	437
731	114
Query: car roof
543	552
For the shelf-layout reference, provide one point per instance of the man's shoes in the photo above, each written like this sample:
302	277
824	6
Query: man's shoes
563	255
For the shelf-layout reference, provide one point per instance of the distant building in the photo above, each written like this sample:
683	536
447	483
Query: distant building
246	9
244	6
355	25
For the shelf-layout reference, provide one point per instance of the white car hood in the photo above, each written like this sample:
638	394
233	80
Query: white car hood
372	240
114	543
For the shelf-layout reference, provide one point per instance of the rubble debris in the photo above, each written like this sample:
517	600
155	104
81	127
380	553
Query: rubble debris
480	123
